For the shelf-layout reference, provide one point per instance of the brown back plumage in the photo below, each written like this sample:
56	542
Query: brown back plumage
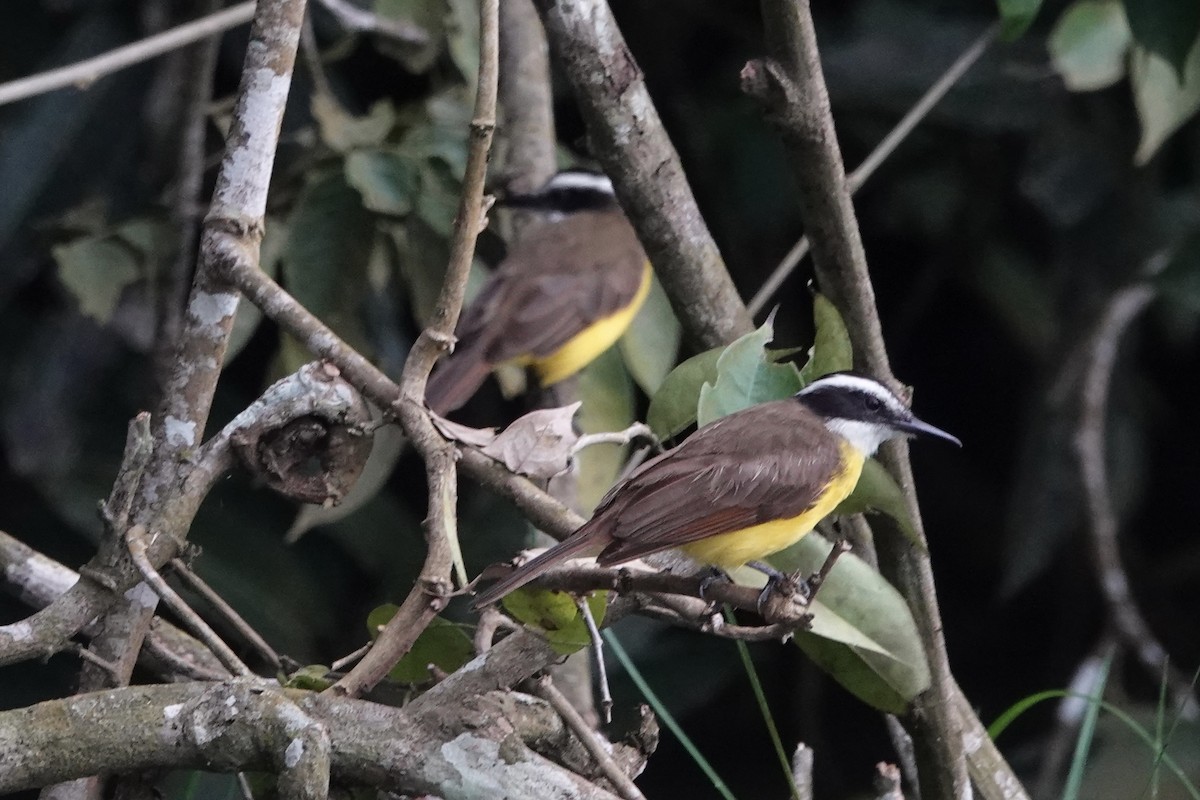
557	280
753	466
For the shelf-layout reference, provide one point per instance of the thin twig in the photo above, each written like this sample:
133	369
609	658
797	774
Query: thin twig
875	159
545	689
490	621
252	637
244	785
82	74
802	771
136	539
349	658
638	430
606	701
433	587
358	19
1090	445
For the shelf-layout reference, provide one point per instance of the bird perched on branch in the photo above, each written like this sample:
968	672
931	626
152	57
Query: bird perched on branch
742	487
565	293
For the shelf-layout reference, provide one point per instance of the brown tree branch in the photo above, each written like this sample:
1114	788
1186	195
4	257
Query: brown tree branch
791	86
475	746
433	586
628	139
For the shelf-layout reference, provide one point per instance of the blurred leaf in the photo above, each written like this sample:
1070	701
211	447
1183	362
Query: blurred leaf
153	238
462	37
443	644
1167	28
96	271
863	600
1016	16
831	350
441	133
538	444
1163	98
1090	43
437	202
476	437
343	131
386	181
427	14
608	406
313	677
651	344
330	236
556	615
673	407
878	491
746	375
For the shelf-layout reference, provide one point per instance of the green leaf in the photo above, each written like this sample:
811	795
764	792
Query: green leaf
443	644
1163	101
1167	28
427	14
437	202
1016	16
314	678
673	407
556	614
96	271
831	350
746	375
887	675
878	491
651	344
386	181
608	405
330	236
1089	44
345	132
462	38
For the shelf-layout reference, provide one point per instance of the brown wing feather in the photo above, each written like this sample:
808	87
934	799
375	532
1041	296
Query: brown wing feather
750	467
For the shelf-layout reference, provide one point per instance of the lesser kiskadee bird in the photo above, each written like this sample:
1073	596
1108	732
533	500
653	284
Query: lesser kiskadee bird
564	294
742	487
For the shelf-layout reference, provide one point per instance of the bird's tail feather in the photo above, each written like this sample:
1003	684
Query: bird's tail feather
455	380
577	545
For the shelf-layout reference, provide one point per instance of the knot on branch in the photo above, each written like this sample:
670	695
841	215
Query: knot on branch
311	442
766	81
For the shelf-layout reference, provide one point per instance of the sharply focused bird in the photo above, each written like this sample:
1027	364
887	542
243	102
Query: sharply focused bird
742	487
566	292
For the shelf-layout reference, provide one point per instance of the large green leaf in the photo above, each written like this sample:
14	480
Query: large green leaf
831	350
608	405
1090	43
673	407
556	614
651	344
1164	101
1167	28
887	675
443	644
345	132
877	490
746	375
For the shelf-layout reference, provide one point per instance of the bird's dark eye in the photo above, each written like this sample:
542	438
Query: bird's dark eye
874	403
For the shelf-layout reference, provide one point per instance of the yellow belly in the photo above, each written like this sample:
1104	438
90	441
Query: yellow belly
585	346
733	549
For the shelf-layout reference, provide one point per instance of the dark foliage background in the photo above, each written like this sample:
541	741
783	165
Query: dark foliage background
995	235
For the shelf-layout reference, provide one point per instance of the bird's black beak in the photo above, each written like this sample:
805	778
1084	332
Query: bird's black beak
915	427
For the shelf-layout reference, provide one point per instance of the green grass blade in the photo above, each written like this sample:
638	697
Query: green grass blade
614	645
1087	732
761	698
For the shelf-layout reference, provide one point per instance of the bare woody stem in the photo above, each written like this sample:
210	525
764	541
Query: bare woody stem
433	586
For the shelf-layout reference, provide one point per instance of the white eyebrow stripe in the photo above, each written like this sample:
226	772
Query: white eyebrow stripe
581	180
